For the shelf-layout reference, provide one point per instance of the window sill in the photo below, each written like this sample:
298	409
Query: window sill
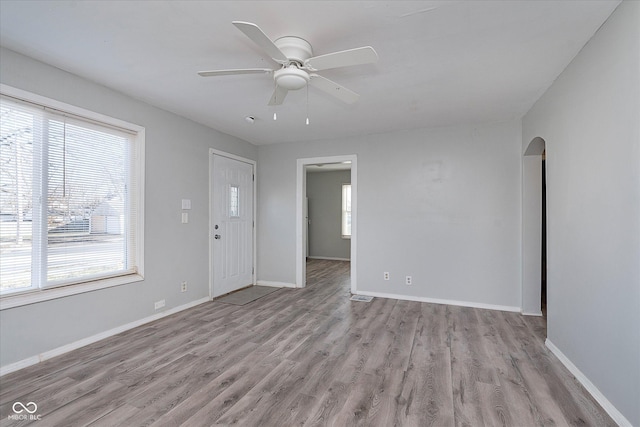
40	295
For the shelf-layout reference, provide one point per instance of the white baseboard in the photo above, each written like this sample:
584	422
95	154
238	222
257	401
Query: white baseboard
330	258
620	419
441	301
536	313
94	338
276	284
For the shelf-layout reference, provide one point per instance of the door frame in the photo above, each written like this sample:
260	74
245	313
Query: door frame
532	228
301	195
253	163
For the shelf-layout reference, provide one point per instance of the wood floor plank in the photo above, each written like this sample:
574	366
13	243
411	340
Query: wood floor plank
220	393
122	416
578	407
466	369
510	389
311	357
89	407
331	402
263	396
280	393
340	343
426	397
229	389
494	407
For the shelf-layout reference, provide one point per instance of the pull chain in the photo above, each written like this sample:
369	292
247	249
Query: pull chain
307	104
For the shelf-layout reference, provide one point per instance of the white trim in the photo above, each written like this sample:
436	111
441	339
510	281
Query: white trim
330	258
343	210
617	416
276	284
531	231
45	294
232	156
525	313
94	338
301	244
254	165
68	108
301	194
140	179
441	301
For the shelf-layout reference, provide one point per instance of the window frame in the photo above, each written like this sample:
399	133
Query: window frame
44	293
343	210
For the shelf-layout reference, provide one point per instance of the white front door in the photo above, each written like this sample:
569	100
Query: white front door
232	224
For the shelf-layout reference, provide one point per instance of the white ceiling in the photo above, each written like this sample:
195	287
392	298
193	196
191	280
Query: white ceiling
441	63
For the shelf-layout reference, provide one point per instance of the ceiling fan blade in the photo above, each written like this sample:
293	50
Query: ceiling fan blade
344	58
278	96
232	72
334	89
260	38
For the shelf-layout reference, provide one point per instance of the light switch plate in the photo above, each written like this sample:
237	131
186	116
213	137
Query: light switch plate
185	217
186	203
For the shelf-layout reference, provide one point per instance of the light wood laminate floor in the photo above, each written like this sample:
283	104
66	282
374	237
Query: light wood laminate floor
311	357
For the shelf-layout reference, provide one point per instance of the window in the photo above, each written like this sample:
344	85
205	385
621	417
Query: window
234	201
346	211
70	197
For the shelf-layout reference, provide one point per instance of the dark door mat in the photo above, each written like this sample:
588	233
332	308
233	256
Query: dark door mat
245	296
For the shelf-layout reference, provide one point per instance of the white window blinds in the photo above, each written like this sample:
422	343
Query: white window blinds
68	198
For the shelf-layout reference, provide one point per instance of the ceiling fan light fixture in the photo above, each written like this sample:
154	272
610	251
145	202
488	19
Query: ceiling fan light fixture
291	78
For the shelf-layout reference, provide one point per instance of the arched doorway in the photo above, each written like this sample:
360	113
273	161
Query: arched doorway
534	228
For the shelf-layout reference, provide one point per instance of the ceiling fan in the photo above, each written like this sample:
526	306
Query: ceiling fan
298	66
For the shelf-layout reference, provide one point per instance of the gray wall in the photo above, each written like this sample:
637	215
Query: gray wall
176	168
441	205
324	191
590	121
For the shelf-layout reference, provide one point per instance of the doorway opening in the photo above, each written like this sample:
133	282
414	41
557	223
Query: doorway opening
318	216
328	222
534	229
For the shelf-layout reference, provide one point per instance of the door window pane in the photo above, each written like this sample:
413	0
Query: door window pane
234	201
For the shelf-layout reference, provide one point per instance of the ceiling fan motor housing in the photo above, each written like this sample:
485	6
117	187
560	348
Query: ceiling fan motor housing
294	48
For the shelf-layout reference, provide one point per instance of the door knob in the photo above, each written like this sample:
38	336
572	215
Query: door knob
217	236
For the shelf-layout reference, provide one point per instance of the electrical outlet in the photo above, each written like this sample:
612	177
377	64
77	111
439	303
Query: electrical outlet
386	275
159	304
183	286
407	280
